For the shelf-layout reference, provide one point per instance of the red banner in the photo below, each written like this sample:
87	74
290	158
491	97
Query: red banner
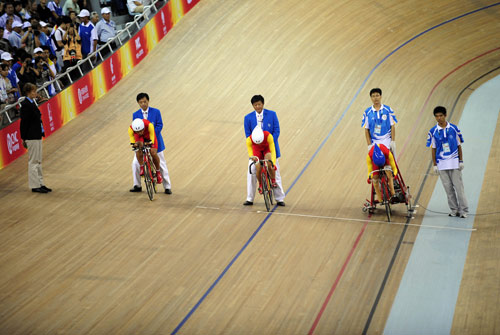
138	46
189	4
11	143
51	115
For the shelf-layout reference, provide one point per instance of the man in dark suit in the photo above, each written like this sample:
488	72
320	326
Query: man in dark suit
153	115
268	121
31	134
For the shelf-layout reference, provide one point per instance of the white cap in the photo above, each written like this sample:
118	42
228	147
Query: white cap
84	13
43	24
25	25
105	10
16	24
257	135
37	50
6	56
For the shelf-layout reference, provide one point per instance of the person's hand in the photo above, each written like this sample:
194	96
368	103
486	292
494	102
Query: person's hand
25	145
369	180
255	158
461	165
393	147
436	170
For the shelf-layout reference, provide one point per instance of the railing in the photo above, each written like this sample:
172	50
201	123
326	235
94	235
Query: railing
121	37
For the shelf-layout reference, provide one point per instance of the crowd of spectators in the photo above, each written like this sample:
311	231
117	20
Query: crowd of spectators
41	38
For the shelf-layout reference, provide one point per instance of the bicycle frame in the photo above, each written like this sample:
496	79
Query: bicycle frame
149	170
267	190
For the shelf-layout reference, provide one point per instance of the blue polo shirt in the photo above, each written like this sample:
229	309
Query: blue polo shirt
379	123
446	141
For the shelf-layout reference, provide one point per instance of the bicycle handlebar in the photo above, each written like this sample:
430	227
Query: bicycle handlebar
381	170
262	162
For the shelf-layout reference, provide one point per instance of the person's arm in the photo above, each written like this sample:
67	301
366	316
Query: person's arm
158	123
460	158
131	135
137	3
369	165
249	147
93	38
392	162
247	126
393	133
25	37
272	148
276	127
52	75
368	136
151	129
36	72
433	150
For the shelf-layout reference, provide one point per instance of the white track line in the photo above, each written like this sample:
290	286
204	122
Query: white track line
350	219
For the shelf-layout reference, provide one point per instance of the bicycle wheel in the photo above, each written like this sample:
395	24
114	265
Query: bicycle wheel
153	172
148	180
385	195
265	192
271	190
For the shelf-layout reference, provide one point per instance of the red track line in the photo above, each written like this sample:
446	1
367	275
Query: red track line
432	91
327	300
339	276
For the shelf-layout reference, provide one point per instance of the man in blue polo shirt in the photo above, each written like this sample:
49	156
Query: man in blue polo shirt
445	140
268	121
87	33
379	121
154	116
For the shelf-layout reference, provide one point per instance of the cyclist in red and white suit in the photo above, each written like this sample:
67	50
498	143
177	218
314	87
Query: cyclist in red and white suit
142	131
260	146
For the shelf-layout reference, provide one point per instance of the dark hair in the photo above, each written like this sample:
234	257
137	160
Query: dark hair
37	59
45	47
142	95
257	98
4	66
66	19
28	87
375	90
440	109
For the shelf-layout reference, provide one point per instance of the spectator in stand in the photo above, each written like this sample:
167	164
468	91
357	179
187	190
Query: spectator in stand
74	18
87	33
41	34
44	12
31	10
15	36
106	29
4	44
51	63
56	9
28	39
83	4
57	37
9	13
71	5
27	73
135	6
94	18
8	29
44	75
7	92
72	47
7	59
19	10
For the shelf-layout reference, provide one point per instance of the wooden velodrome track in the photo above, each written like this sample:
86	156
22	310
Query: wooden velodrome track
93	258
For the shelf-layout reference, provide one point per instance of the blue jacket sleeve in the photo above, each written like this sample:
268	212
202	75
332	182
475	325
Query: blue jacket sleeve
248	126
276	127
158	122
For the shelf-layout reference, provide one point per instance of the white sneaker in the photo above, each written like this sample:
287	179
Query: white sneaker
463	215
454	214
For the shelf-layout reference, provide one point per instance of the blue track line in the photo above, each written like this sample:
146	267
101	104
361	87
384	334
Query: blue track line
195	307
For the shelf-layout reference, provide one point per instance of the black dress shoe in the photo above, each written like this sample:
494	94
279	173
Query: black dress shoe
39	190
43	187
136	189
248	203
168	191
281	203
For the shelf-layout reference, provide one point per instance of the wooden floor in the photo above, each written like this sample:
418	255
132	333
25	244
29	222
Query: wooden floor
93	258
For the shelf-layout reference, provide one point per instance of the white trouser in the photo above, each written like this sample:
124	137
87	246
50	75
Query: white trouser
136	171
35	177
454	188
279	194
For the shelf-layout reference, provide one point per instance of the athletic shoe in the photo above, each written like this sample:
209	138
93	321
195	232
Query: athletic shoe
142	170
136	189
281	203
452	214
463	215
248	203
159	179
168	191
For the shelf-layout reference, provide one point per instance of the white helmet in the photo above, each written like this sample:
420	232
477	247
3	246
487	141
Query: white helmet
137	125
257	135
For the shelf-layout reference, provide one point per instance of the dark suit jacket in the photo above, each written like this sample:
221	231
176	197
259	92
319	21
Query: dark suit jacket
31	121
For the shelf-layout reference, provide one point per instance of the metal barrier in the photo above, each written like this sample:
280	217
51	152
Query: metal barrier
130	29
